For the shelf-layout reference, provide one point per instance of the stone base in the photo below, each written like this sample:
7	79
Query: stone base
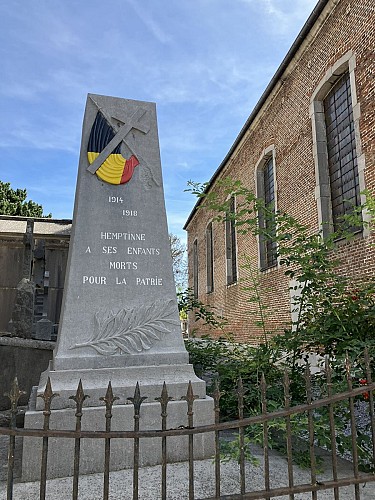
123	380
61	450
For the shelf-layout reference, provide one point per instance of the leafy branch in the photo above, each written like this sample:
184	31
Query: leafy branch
131	330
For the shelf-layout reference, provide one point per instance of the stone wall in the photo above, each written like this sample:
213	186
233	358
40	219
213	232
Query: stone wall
283	125
24	359
38	257
11	258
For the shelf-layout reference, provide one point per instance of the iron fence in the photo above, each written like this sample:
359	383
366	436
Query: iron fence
264	419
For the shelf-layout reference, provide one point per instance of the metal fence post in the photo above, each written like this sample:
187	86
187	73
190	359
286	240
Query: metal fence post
137	400
79	398
241	432
108	399
14	395
189	398
216	396
47	397
164	400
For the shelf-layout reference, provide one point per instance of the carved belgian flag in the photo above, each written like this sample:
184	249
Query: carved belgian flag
116	169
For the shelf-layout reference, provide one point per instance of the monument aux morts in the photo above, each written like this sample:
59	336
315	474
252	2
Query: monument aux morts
119	319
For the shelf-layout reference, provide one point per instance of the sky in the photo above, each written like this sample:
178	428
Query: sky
204	62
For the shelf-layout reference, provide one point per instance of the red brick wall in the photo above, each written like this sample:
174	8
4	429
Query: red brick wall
284	122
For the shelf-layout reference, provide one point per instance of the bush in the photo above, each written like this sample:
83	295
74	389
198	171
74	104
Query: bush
335	318
224	362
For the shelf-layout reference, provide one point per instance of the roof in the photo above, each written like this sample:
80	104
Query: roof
275	79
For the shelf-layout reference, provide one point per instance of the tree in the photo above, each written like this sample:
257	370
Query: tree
13	202
178	250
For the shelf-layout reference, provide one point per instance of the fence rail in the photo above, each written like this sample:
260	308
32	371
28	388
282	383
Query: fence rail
241	425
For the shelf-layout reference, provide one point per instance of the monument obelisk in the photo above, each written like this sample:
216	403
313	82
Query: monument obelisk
119	319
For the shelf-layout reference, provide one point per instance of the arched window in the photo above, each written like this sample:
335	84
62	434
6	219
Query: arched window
195	268
231	243
339	168
266	191
210	258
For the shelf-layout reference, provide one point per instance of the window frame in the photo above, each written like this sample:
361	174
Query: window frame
210	258
346	64
341	147
268	155
195	269
231	245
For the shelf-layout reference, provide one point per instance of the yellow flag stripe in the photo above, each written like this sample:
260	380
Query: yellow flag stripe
111	170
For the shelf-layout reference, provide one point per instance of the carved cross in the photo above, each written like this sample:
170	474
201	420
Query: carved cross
133	122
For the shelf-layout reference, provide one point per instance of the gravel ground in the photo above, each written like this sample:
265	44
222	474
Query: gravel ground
90	486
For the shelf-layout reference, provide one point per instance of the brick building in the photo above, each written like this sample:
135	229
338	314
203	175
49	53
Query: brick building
308	146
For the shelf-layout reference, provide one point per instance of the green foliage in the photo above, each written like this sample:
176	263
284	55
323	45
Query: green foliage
188	302
230	450
277	437
226	361
335	318
13	202
262	311
334	315
206	354
336	321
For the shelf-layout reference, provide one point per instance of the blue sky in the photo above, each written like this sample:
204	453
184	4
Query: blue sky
204	62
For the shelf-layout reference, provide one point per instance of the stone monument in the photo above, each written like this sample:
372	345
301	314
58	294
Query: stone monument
119	319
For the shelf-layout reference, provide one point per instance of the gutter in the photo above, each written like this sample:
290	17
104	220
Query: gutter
275	79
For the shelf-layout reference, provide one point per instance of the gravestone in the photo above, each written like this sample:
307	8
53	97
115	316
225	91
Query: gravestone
119	319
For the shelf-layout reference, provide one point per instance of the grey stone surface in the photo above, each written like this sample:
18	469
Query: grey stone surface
50	227
24	359
29	343
16	260
123	381
22	315
14	224
119	318
119	269
119	308
44	329
61	451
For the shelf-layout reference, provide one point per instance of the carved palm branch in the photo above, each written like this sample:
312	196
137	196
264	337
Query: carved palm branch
131	330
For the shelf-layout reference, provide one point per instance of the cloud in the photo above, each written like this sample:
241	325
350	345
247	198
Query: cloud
218	81
204	64
144	15
50	134
286	15
23	91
